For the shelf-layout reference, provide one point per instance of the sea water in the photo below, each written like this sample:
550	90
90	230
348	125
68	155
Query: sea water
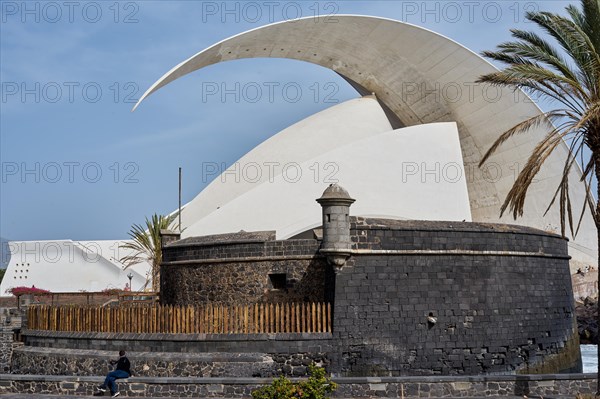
589	357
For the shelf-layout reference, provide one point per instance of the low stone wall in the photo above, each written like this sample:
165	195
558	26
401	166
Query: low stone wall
359	387
10	321
74	362
282	343
6	348
166	355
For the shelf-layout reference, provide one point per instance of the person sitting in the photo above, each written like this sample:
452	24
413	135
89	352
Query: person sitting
121	371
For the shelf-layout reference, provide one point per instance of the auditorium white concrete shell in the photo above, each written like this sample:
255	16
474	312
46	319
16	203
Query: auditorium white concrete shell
70	266
274	186
419	77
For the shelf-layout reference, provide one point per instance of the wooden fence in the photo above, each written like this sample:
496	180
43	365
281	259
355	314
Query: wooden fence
210	319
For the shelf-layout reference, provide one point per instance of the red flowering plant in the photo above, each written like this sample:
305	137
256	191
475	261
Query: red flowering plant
22	290
112	291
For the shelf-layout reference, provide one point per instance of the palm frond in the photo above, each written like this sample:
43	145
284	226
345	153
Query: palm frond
569	75
145	244
522	127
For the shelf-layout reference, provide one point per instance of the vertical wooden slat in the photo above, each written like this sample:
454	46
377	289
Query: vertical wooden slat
181	319
209	324
219	319
184	320
130	320
216	319
238	319
106	316
266	317
168	323
305	315
273	315
328	309
174	320
223	307
319	324
288	315
138	319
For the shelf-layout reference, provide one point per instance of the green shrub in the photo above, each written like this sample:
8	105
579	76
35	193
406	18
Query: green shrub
317	386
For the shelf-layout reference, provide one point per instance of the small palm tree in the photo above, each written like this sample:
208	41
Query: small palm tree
146	245
570	78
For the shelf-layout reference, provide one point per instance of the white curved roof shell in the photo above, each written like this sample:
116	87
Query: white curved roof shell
275	185
70	266
422	77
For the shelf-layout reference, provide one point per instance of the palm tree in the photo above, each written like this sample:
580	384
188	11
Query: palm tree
569	76
146	245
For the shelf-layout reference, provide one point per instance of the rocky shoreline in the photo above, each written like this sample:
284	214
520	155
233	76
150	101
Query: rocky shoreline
587	324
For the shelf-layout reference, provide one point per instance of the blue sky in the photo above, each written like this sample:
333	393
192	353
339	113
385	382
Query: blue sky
76	163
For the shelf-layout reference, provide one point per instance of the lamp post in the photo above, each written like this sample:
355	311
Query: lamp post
130	276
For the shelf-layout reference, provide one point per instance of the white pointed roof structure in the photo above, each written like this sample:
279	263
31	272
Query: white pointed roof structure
70	266
420	77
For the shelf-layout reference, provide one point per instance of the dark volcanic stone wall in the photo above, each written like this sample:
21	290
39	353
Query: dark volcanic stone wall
76	362
414	298
208	270
501	297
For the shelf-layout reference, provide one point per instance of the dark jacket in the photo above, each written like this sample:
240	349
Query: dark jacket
123	364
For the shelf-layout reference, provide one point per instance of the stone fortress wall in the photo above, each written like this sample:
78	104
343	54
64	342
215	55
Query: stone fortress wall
454	298
409	297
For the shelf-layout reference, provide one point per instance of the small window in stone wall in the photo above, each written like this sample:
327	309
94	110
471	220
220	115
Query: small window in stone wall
278	281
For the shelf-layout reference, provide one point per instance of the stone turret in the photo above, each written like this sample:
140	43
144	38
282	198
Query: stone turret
336	202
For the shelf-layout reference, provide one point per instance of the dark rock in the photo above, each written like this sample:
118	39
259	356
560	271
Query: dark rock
587	323
299	371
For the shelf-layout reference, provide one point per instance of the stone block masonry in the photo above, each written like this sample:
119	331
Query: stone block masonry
10	320
453	298
78	362
238	268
